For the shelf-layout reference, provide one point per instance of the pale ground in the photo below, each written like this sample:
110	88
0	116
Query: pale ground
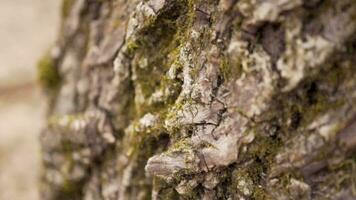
27	29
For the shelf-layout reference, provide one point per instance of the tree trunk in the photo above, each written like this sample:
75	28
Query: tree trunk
201	99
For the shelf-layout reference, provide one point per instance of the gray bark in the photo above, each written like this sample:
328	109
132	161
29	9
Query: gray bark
201	99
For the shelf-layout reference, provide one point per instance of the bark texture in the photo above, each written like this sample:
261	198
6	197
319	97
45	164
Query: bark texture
201	99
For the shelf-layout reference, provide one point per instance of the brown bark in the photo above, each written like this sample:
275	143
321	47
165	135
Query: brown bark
201	99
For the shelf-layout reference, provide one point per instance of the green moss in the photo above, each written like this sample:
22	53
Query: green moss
141	144
158	47
183	145
248	181
154	50
66	7
178	106
295	110
260	194
165	192
48	74
132	46
70	190
67	147
169	194
225	68
264	148
315	101
230	68
242	181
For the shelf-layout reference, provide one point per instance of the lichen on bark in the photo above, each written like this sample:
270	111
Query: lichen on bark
202	99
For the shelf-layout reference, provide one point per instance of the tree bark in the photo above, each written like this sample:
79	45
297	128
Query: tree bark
201	99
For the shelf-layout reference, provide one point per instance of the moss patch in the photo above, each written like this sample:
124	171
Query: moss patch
66	7
48	74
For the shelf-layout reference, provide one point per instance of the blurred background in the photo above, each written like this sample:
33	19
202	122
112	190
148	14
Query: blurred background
27	30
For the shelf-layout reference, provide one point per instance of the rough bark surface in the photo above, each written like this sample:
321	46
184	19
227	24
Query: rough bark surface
201	99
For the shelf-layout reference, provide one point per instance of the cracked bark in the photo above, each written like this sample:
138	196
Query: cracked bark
201	99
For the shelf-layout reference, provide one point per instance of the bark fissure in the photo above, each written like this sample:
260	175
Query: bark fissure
202	99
